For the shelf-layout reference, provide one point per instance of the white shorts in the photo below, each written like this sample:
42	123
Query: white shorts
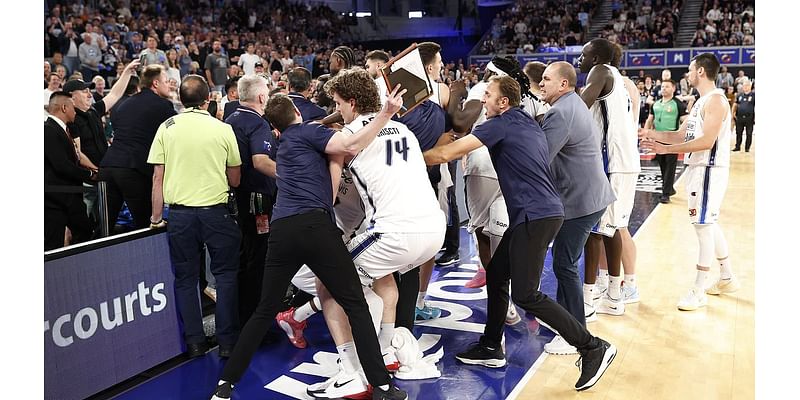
705	187
498	218
481	193
376	255
618	213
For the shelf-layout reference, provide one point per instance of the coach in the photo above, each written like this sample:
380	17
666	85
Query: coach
577	168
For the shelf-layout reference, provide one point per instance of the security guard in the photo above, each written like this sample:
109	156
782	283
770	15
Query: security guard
196	159
745	111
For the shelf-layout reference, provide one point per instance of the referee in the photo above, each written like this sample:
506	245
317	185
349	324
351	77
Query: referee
666	114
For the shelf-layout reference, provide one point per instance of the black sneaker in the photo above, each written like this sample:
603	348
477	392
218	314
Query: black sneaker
223	391
448	259
664	199
593	363
736	149
480	354
393	393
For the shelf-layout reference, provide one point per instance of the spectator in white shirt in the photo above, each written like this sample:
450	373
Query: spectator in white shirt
249	59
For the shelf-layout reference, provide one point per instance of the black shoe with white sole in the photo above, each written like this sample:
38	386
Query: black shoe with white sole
447	259
393	393
223	391
593	363
480	354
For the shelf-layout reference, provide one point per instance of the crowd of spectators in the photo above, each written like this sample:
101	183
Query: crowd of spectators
726	23
538	26
181	36
643	24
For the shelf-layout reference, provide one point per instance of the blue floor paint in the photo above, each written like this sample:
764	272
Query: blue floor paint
463	315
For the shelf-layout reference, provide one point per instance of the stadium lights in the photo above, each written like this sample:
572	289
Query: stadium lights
414	14
361	14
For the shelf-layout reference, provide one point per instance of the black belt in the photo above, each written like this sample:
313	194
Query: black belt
182	207
316	210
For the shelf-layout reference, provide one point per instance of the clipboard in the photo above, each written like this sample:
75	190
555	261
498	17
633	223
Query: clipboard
408	70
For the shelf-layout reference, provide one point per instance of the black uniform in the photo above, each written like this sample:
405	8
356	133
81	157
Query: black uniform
745	118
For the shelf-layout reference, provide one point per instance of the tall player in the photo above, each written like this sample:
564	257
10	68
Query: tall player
705	135
608	100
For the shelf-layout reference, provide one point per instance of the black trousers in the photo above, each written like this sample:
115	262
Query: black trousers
252	256
312	239
668	163
132	186
520	258
451	236
744	124
72	216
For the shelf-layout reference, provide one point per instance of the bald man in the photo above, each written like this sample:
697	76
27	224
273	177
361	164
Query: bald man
576	163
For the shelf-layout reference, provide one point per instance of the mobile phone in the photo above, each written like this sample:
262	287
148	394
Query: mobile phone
142	61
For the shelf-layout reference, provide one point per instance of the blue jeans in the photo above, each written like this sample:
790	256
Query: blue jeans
188	229
567	249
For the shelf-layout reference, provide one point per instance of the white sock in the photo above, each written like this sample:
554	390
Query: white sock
421	299
349	357
725	272
303	312
602	278
386	334
630	280
614	284
588	293
700	281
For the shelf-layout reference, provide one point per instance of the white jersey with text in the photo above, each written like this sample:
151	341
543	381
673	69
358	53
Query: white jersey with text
392	179
478	162
719	155
613	113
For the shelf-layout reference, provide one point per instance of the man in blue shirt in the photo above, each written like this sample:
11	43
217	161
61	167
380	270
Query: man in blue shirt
519	153
256	192
303	231
299	91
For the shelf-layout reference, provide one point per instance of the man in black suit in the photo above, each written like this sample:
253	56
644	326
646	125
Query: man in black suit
124	167
63	177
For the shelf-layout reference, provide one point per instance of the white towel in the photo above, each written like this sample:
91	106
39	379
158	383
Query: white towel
413	365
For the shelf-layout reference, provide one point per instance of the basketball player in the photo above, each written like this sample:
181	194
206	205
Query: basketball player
612	108
519	153
705	136
302	231
405	225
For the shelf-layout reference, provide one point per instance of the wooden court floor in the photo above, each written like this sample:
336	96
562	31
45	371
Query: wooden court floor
665	353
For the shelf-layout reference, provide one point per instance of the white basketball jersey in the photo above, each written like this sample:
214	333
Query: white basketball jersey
348	208
534	106
478	162
435	95
719	155
392	179
613	113
383	91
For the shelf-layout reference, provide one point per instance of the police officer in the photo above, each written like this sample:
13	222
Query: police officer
196	158
745	111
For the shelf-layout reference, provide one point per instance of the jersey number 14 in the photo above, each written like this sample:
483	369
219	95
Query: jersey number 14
397	146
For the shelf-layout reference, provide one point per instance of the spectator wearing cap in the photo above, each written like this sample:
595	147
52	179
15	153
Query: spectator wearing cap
249	59
259	68
299	91
87	128
124	167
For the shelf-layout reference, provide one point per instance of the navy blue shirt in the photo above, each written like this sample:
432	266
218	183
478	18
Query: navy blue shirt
520	156
135	123
747	104
304	180
308	110
253	137
230	107
427	122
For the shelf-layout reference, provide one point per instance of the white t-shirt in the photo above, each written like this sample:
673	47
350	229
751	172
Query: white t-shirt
613	113
720	154
478	162
391	178
248	63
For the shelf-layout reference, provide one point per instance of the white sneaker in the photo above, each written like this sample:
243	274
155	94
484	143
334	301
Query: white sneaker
589	312
560	346
390	359
630	294
724	286
610	306
340	385
600	289
512	316
692	301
